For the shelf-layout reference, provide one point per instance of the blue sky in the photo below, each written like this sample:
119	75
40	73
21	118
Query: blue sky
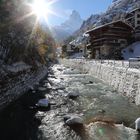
85	8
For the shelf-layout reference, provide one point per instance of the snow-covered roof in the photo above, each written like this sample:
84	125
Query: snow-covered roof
99	27
79	40
134	10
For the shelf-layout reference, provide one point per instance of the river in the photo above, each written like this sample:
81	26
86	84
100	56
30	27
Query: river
105	112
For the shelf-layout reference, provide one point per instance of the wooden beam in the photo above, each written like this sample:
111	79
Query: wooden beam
105	43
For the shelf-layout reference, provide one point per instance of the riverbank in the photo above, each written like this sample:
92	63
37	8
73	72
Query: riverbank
28	81
122	78
105	113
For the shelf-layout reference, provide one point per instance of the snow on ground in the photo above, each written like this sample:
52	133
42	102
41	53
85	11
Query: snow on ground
132	51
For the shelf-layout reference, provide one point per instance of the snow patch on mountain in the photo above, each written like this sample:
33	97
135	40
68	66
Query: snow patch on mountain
68	27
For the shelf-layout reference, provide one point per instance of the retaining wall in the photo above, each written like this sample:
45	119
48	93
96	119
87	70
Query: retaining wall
118	75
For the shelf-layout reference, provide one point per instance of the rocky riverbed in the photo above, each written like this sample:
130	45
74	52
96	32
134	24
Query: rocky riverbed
81	107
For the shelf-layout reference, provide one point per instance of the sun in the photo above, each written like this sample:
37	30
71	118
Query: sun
43	9
40	8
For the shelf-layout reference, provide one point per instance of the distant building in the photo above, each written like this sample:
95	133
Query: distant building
78	46
70	49
107	41
133	18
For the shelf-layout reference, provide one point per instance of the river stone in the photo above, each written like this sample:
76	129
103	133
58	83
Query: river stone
60	87
73	95
48	85
101	111
33	91
90	82
52	76
66	117
73	120
60	69
137	124
43	103
41	89
61	78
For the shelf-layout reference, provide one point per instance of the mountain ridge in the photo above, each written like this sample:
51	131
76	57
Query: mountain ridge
67	28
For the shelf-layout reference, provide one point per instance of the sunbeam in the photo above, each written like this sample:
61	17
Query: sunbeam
24	17
33	29
41	9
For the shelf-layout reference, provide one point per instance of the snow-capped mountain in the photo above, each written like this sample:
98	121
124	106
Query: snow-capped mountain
88	24
68	27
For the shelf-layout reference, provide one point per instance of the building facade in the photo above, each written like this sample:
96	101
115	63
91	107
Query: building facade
133	18
107	41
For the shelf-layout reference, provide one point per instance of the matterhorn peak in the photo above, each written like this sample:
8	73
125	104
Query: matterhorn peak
75	15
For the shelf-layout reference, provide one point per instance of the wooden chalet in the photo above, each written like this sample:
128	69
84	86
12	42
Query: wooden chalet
72	48
133	18
107	41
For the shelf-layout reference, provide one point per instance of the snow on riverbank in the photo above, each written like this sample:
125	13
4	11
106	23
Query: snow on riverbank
123	79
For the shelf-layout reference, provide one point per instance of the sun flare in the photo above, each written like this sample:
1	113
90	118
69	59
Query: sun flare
40	8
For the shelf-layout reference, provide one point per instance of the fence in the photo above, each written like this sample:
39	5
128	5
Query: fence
116	63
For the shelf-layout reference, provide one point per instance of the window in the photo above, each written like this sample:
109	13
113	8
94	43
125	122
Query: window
138	22
138	15
123	41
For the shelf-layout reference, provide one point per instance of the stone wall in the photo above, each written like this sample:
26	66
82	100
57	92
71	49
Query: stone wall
122	78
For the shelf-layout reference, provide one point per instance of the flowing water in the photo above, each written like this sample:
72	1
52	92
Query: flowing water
97	102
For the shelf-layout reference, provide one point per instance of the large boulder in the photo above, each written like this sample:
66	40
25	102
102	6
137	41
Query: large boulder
43	103
73	120
73	95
